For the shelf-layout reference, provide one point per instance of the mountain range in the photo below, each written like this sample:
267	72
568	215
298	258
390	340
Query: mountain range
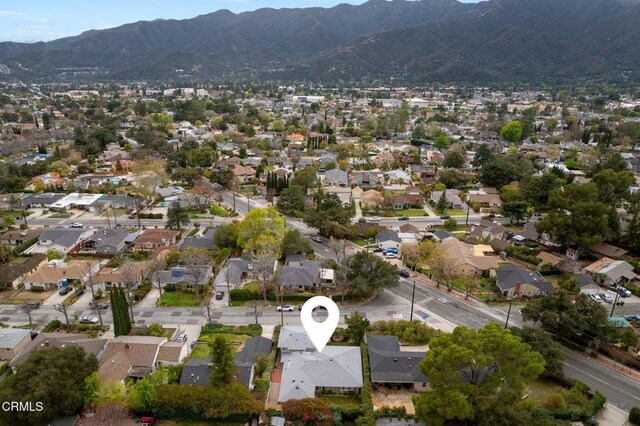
553	41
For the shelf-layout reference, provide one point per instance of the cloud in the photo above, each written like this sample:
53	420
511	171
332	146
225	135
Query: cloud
9	13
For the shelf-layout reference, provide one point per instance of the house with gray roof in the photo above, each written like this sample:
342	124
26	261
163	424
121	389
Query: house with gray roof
307	372
392	367
182	276
388	239
196	372
587	284
43	200
513	281
61	240
233	273
303	274
336	177
12	341
108	242
204	241
60	340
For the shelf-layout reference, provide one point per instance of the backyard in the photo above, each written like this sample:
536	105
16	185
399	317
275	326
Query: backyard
236	335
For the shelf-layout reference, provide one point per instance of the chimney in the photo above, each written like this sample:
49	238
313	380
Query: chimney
126	346
47	344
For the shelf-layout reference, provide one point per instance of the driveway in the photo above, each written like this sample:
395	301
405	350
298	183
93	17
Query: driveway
149	301
83	302
56	298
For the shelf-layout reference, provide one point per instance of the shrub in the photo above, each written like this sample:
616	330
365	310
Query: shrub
556	401
155	330
4	367
261	385
450	224
3	286
52	326
250	329
634	416
315	411
169	287
37	288
414	333
244	294
368	416
142	291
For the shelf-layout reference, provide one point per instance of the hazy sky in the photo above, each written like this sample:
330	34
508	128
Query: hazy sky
43	20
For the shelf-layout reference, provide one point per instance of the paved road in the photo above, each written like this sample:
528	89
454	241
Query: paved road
620	390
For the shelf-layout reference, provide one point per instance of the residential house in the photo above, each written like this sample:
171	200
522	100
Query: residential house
371	199
336	177
359	178
60	340
197	372
549	258
61	240
12	341
587	284
8	201
12	274
204	241
513	281
129	274
153	239
304	275
116	201
467	259
185	277
612	272
75	200
51	180
441	235
343	194
136	357
246	357
59	274
486	202
405	201
607	250
16	238
244	174
108	242
452	196
232	274
388	239
307	373
391	367
42	200
487	230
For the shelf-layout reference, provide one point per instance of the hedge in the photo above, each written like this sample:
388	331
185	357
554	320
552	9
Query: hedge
595	404
150	215
244	294
22	247
142	291
368	417
634	416
252	330
37	288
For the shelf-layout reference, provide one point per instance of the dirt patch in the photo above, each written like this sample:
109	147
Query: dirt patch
394	398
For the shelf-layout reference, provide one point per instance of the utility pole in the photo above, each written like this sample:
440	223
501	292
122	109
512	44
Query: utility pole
115	219
135	203
467	221
413	296
24	216
108	219
506	324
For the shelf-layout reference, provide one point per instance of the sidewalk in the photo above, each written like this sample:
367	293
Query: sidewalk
616	366
455	293
149	300
429	210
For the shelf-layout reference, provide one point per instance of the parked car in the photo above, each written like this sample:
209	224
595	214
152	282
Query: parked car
182	337
632	317
80	293
65	290
317	239
378	250
403	218
391	255
286	308
404	274
219	295
374	219
76	225
596	298
89	319
624	292
33	305
445	216
606	297
100	305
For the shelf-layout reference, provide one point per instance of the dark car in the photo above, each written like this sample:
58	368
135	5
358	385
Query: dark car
378	250
100	305
79	293
404	274
219	295
445	216
64	290
403	218
33	305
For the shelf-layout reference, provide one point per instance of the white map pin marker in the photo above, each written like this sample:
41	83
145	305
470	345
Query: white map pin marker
319	332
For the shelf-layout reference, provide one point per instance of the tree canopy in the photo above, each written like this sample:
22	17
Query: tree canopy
370	274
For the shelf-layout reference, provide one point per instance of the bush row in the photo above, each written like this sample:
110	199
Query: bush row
368	417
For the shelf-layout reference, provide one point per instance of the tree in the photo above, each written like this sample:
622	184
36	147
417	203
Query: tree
357	327
294	242
516	211
470	371
291	200
340	276
441	268
222	358
27	308
544	343
536	189
369	273
309	411
177	217
156	265
442	142
86	268
410	254
199	198
454	159
511	132
53	377
260	223
264	252
442	205
120	310
502	170
305	178
484	155
226	236
613	186
224	177
130	276
152	173
196	261
471	284
452	179
6	254
450	224
63	308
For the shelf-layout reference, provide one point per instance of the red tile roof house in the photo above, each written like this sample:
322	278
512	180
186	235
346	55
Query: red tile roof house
153	239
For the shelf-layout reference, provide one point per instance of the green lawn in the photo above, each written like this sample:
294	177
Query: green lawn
540	391
454	212
200	350
14	215
410	212
252	285
218	211
178	298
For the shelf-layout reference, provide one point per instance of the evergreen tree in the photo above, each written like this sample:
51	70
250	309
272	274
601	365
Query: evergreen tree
442	205
120	310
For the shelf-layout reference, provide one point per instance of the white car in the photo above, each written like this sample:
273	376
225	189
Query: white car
596	298
391	255
316	239
374	219
286	308
89	319
76	225
606	297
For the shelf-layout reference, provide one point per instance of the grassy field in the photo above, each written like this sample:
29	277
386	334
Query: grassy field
455	212
202	350
410	212
178	298
541	391
18	297
218	211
